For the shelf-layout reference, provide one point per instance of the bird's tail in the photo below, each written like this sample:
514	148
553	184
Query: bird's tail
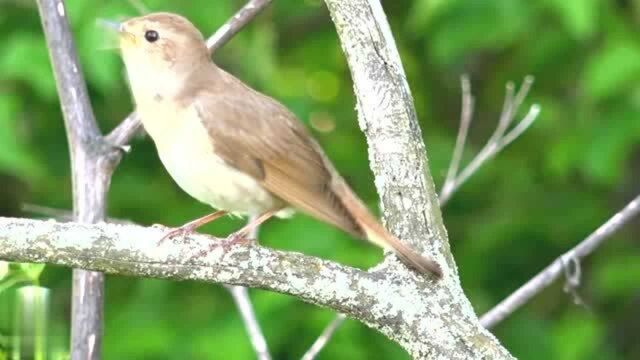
378	235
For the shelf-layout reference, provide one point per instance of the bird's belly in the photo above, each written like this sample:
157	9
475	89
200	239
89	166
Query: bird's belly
188	155
208	179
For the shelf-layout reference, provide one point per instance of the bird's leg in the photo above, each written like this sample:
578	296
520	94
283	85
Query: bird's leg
241	235
189	227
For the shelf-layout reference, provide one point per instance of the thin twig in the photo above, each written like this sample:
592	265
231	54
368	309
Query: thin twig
240	296
552	272
498	140
324	338
236	23
461	139
129	127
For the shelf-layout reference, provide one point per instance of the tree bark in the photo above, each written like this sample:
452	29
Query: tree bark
89	154
398	160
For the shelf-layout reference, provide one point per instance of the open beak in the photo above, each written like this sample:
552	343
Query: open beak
116	26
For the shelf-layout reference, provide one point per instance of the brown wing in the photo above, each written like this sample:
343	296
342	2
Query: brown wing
259	136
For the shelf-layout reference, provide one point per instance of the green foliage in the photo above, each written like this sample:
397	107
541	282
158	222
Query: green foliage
543	194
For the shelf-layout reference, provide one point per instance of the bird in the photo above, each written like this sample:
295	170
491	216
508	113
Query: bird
231	147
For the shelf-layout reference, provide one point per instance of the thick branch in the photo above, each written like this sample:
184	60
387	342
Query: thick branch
134	250
399	163
552	272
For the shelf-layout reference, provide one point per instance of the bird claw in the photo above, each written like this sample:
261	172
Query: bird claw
236	238
182	232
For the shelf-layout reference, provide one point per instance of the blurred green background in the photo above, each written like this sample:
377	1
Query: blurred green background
574	168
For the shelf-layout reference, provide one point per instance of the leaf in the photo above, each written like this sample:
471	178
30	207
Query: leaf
32	271
99	61
585	334
612	70
618	276
24	57
580	17
610	144
424	12
471	26
15	155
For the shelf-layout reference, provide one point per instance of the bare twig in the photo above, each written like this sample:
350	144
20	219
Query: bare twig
552	272
498	140
240	296
236	23
87	152
324	338
465	121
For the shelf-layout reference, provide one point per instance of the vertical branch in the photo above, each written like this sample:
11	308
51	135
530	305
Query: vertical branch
89	185
398	159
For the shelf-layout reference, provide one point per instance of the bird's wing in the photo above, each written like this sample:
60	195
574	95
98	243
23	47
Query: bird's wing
260	137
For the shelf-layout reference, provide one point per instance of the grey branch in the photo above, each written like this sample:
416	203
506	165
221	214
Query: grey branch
552	272
324	338
365	296
236	23
498	140
90	177
240	295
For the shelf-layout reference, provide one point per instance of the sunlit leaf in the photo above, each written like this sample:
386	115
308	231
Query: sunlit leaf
579	16
612	70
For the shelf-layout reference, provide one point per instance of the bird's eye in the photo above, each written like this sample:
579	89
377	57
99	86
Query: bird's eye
151	36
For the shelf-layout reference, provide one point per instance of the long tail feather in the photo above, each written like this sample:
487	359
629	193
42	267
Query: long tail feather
378	235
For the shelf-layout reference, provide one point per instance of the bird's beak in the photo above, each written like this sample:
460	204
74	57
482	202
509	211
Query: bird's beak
116	26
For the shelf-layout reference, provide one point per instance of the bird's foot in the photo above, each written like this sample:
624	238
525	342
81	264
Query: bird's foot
237	238
181	232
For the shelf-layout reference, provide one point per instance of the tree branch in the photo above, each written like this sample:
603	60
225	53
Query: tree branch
324	338
88	153
240	295
552	272
398	160
365	296
453	181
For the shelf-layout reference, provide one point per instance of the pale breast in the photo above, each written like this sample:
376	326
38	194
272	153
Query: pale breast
188	155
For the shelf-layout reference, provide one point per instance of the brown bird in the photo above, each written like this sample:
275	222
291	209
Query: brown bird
231	147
